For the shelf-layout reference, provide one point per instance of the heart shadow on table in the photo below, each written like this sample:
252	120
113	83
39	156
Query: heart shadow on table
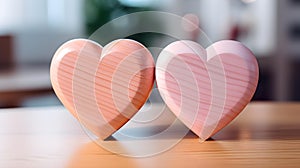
142	133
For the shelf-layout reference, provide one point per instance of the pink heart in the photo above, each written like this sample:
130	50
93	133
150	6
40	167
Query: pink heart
102	87
206	89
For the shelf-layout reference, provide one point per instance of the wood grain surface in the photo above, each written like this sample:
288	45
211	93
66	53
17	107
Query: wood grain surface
264	135
102	87
206	88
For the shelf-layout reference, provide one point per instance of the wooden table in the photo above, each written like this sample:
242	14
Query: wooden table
264	135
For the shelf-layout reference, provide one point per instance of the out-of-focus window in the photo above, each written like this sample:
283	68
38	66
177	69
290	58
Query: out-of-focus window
18	15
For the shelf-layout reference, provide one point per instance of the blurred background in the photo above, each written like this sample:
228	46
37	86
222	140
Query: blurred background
32	30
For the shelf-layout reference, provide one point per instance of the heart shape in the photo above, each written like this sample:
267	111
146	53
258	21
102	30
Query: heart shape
206	88
102	87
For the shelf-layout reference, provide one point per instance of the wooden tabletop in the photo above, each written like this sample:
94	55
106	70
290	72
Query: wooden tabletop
264	135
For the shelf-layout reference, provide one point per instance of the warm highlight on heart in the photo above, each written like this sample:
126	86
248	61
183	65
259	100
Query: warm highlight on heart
102	87
206	88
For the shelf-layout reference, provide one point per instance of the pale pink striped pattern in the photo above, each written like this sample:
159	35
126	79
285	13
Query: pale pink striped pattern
206	88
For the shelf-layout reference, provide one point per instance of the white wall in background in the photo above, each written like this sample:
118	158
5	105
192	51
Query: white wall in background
264	15
216	20
260	16
213	14
40	26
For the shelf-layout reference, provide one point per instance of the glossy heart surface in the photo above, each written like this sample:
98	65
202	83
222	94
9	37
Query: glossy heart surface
206	88
103	87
